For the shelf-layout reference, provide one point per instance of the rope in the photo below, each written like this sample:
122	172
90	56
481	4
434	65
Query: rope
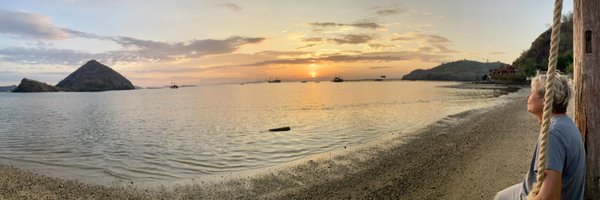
545	132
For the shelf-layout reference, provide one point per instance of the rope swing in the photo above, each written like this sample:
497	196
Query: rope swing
549	99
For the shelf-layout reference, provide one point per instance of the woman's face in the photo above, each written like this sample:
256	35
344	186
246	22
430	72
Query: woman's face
535	102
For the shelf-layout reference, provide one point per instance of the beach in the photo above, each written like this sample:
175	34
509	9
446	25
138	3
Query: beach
471	155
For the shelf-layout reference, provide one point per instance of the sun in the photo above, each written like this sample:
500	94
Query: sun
313	74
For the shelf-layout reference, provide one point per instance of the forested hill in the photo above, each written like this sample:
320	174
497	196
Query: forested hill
463	70
536	57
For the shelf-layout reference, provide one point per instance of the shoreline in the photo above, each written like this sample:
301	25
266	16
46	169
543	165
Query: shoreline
390	167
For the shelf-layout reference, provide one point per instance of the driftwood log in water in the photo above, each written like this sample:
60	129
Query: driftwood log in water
287	128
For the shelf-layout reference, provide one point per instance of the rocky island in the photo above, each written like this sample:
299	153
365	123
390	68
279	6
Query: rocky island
93	76
28	85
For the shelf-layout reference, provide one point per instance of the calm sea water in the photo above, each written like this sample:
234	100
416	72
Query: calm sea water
167	134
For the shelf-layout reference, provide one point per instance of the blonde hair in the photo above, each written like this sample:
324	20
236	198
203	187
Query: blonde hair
562	91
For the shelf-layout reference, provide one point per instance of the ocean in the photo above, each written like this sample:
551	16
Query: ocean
166	135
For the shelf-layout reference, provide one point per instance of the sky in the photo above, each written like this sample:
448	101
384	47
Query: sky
154	43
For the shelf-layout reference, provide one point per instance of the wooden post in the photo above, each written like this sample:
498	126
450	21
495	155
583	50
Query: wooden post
586	54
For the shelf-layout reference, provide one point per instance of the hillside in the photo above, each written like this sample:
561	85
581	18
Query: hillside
536	57
463	70
94	76
28	85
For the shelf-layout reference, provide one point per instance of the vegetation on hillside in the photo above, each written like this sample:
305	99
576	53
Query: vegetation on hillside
536	57
462	70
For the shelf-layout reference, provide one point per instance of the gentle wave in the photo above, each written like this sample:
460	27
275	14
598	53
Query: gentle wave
164	135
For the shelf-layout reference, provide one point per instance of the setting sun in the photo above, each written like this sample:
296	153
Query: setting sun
313	74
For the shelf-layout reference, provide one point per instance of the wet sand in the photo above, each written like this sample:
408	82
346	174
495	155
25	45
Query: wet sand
471	155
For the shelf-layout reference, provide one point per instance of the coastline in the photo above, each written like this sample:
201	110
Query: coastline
466	155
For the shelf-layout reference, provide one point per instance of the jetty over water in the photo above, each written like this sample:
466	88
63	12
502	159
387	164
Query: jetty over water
372	79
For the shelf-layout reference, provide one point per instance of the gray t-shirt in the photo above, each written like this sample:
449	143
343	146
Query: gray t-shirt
566	154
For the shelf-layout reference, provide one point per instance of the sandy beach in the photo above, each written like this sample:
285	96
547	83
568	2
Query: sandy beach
471	155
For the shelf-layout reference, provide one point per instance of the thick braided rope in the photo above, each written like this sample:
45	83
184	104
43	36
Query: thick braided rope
545	132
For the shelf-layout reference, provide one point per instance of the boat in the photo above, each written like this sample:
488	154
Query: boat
274	81
302	81
173	86
337	79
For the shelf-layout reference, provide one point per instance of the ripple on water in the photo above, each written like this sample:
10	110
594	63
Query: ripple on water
163	135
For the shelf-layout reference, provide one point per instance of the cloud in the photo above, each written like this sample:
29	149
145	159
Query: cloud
30	25
428	42
324	24
342	57
75	33
420	27
387	56
177	70
367	25
342	39
284	53
425	49
307	46
230	6
194	48
429	38
314	39
139	50
311	42
380	67
44	56
444	49
390	10
14	77
364	25
386	12
35	26
435	38
495	52
353	39
39	27
380	46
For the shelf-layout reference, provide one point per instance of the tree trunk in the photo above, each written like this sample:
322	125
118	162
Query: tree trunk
586	54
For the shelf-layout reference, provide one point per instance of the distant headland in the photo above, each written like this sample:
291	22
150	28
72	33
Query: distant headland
463	70
93	76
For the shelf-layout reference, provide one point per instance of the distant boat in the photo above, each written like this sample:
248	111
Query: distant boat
173	86
302	81
337	79
274	81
